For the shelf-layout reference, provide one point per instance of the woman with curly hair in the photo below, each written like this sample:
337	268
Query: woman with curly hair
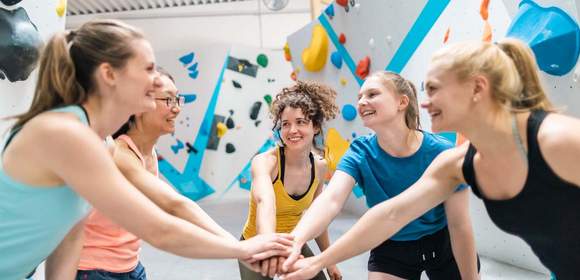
287	178
384	164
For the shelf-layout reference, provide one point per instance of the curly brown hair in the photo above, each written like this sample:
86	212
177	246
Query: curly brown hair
317	102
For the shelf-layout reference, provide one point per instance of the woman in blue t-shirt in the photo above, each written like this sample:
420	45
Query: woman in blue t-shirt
384	164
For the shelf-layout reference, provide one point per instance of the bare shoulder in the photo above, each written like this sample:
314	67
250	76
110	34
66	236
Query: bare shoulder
321	164
59	129
450	162
559	141
265	162
125	158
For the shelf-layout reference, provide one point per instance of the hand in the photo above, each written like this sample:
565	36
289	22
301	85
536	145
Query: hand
255	266
333	272
269	267
295	254
304	269
264	246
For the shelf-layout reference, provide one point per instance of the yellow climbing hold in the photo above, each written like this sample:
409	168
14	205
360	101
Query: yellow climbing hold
287	54
335	148
61	8
343	81
314	57
221	129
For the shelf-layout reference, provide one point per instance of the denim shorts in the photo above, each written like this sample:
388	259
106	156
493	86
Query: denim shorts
136	274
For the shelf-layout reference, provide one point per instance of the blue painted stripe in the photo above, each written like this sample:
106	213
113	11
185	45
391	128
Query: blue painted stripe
339	47
416	34
194	160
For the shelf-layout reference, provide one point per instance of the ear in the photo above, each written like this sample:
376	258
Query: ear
106	74
480	87
403	102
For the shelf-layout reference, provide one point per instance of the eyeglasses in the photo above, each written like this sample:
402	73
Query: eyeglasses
173	101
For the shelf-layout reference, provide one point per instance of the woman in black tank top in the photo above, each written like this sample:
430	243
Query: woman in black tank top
521	159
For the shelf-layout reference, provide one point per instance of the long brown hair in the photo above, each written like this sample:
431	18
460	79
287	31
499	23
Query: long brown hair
69	60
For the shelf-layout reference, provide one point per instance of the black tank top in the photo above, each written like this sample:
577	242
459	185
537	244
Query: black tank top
545	214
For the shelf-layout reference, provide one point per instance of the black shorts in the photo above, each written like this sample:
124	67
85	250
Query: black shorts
408	259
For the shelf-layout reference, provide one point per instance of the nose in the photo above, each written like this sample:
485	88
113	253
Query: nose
176	109
157	82
425	104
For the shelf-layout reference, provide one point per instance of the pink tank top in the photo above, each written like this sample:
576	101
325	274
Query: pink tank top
107	246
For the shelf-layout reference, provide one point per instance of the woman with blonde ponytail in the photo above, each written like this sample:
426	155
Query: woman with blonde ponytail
54	164
525	157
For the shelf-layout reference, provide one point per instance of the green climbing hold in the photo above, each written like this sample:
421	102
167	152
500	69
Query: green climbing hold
268	99
262	60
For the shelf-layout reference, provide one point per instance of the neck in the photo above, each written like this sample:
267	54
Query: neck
398	140
145	141
298	157
491	133
105	118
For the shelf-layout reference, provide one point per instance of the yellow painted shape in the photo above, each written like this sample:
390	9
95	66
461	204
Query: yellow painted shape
314	56
335	148
61	8
221	129
343	81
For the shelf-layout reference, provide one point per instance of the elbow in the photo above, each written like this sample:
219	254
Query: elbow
161	236
177	206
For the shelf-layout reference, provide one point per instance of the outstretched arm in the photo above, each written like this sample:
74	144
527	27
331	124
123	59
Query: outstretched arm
387	218
63	261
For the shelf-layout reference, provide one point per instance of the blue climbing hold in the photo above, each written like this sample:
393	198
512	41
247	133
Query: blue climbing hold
329	11
187	59
348	112
189	97
336	59
546	30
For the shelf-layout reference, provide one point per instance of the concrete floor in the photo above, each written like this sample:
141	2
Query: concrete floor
231	211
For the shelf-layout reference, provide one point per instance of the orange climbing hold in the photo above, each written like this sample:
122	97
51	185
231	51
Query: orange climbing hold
486	32
293	76
342	38
343	3
362	69
484	9
446	37
287	54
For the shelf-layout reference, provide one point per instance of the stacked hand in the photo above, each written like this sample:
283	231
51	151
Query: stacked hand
263	247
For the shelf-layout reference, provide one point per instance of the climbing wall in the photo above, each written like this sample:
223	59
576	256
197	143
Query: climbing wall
353	38
225	119
24	27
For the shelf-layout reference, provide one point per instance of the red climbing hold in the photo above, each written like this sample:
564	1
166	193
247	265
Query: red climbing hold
342	38
362	69
343	3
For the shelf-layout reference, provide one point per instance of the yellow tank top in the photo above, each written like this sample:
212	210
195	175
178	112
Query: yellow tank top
288	209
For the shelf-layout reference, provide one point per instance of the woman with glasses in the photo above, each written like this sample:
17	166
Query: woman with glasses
286	179
109	251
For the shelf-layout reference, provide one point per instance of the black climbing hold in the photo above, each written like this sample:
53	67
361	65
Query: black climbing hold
230	148
10	2
230	123
255	110
190	148
257	123
236	84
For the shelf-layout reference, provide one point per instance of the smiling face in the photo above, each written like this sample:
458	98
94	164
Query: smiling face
378	104
137	80
296	131
162	119
449	101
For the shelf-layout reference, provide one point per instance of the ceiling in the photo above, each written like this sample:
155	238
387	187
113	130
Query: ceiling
93	7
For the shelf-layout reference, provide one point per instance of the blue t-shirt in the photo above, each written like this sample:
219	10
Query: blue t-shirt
382	176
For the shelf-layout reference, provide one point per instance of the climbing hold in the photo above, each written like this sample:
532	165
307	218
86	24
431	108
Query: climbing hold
372	43
189	97
446	36
315	55
297	70
268	99
336	146
343	81
10	2
343	3
546	30
293	76
348	112
329	11
230	123
287	54
484	9
389	39
236	84
178	146
342	39
221	129
362	69
262	60
187	59
336	59
61	8
256	123
255	110
230	148
486	32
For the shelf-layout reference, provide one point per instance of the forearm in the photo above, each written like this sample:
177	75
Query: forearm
323	241
63	261
194	214
464	251
317	218
265	217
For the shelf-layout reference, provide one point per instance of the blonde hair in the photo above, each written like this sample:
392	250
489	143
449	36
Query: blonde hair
402	86
510	67
69	60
